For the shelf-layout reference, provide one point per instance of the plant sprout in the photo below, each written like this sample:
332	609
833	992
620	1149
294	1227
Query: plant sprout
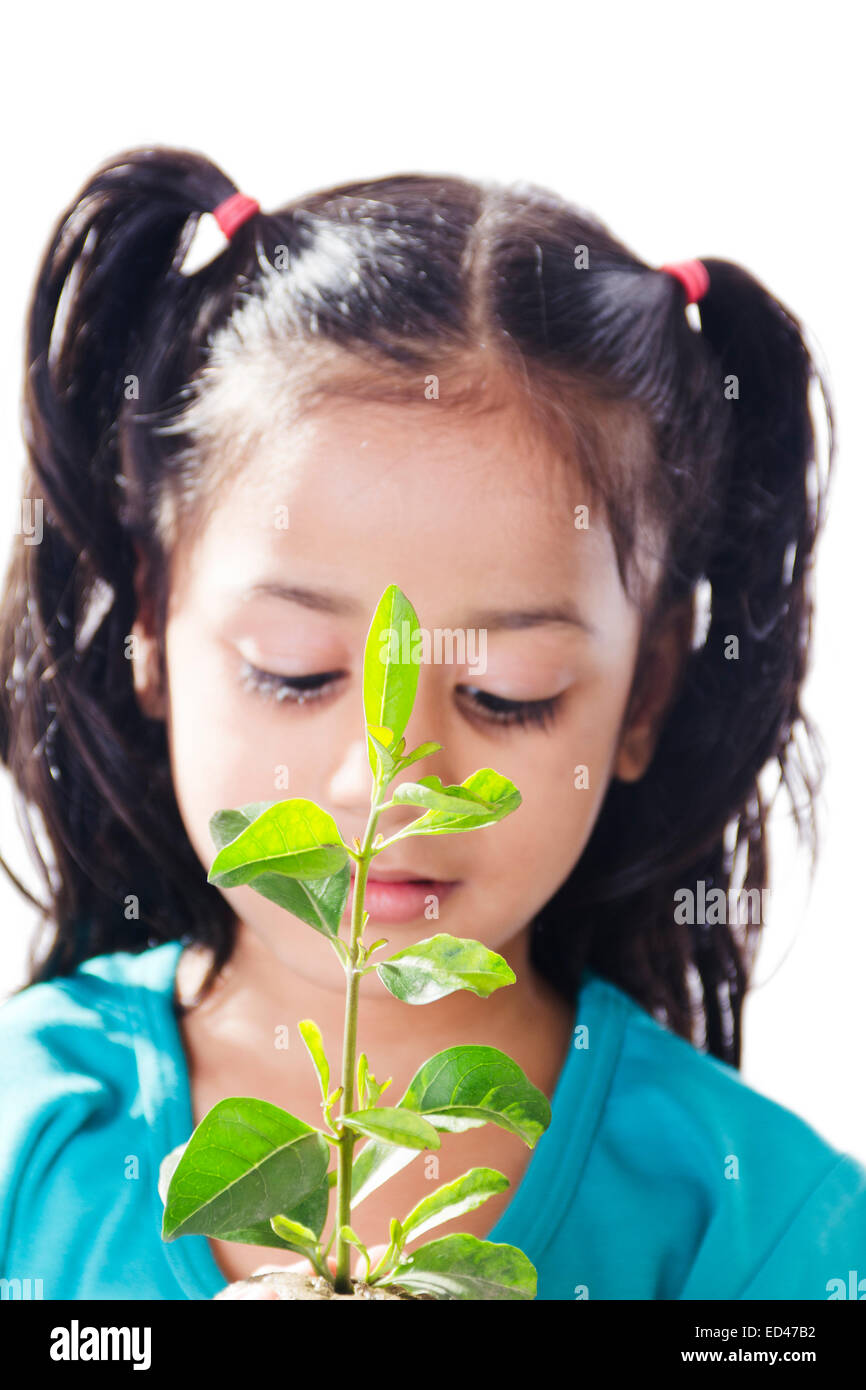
251	1172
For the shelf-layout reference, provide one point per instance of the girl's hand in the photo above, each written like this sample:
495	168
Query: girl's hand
242	1288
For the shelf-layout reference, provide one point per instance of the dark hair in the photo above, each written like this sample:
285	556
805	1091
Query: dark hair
702	441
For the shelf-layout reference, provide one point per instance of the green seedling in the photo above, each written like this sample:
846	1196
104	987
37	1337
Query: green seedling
256	1174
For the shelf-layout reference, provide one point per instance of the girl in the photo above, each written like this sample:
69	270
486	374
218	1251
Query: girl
477	393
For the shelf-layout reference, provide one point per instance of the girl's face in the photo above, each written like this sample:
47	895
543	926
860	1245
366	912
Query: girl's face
474	519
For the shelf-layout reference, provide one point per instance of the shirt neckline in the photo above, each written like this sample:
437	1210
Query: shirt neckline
549	1180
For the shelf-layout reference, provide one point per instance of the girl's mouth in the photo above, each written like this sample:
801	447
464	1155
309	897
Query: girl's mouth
402	900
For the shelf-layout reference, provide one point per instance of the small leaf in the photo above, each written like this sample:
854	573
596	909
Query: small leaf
441	964
293	1231
482	799
394	1126
453	1199
374	1090
347	1234
429	792
464	1267
294	837
362	1078
246	1161
423	750
390	682
314	1043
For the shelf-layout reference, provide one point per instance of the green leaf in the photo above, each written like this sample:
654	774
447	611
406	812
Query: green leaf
429	792
312	1211
441	964
483	798
464	1267
347	1234
471	1084
362	1077
296	838
394	1126
453	1199
314	1044
318	902
374	1090
390	682
458	1089
246	1161
293	1232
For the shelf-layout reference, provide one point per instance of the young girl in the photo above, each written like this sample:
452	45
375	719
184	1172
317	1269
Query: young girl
477	393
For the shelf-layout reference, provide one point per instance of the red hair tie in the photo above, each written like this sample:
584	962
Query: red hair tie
692	275
233	212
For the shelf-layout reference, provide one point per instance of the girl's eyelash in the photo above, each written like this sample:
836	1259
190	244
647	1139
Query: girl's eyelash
491	708
298	690
522	712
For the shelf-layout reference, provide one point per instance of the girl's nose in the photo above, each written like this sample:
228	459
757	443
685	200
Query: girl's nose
349	787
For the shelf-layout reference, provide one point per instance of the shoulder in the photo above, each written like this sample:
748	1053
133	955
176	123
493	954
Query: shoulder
72	1050
703	1099
51	1027
763	1191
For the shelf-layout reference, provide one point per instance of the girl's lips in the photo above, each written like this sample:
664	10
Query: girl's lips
402	901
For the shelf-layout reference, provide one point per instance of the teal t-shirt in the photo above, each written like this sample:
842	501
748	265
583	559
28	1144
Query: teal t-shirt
661	1176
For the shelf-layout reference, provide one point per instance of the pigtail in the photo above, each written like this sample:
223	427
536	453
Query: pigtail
700	812
71	733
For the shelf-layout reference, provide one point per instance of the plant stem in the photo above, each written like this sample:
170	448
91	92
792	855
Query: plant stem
348	1138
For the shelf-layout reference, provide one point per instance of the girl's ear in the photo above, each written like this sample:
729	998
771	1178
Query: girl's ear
146	675
656	686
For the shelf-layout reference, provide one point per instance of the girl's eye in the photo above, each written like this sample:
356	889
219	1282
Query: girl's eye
499	711
298	690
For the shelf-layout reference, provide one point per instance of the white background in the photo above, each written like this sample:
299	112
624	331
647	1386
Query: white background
733	131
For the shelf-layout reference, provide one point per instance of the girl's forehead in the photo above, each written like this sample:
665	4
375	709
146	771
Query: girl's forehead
429	487
393	459
463	533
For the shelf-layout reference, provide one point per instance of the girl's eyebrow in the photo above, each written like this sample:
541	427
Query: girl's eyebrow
343	605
